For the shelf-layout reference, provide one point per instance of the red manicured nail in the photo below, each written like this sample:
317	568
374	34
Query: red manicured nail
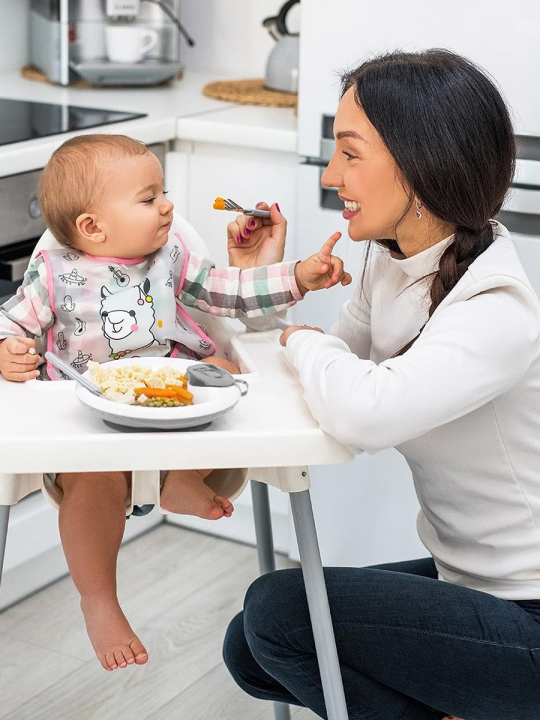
239	239
247	232
259	204
278	208
251	223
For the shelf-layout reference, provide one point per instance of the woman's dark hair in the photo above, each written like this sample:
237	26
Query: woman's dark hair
450	134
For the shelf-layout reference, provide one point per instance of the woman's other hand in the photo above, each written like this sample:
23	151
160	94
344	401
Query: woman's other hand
322	270
294	328
253	242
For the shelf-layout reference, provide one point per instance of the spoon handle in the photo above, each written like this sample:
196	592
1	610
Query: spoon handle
72	373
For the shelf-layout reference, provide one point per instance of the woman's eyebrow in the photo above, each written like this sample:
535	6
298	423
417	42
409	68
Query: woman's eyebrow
349	134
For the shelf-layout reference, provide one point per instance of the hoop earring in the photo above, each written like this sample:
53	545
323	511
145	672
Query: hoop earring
418	212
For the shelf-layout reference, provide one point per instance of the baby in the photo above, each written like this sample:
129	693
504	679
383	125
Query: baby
118	287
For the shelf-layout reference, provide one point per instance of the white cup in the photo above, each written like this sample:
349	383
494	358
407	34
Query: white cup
90	41
129	43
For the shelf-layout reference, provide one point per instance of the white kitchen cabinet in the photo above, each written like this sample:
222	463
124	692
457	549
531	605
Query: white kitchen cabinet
197	173
246	175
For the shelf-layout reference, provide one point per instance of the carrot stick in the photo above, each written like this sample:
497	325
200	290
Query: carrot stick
155	392
184	394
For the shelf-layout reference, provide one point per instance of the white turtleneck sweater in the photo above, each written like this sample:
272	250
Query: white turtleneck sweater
462	405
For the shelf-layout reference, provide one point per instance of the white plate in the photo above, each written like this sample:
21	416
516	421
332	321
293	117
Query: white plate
208	403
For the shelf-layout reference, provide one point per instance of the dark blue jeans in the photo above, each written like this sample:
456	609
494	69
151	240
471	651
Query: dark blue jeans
410	646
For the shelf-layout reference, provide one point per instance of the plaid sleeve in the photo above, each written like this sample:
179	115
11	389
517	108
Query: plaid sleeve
28	313
232	292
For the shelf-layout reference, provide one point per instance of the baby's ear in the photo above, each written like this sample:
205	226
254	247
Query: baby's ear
88	229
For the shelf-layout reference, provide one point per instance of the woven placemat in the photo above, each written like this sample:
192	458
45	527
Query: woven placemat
31	72
249	92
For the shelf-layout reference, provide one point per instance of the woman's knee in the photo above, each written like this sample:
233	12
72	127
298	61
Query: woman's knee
275	604
236	653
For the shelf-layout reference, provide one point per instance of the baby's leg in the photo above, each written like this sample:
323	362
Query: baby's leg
92	520
184	492
222	363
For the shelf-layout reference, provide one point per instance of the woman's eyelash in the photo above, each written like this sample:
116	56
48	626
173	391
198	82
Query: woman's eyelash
349	155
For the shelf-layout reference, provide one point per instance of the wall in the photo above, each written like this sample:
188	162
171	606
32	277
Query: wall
229	36
13	33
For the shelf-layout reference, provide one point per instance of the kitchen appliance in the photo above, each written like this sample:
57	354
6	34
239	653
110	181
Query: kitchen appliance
23	120
68	40
282	65
366	511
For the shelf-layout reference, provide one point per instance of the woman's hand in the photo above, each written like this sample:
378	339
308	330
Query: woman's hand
294	328
322	270
253	242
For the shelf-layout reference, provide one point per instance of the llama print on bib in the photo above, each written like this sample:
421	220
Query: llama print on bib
127	319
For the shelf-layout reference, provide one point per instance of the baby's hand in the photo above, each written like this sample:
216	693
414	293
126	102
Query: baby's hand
18	359
322	270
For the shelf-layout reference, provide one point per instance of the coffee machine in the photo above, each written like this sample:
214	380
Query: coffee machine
98	40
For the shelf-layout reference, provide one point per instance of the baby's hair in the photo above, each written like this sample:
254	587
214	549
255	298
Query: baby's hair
72	181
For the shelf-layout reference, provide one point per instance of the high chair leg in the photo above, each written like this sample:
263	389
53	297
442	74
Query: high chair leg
265	552
4	520
263	527
319	609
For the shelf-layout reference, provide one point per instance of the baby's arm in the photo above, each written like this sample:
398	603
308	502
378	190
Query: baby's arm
24	317
253	292
232	292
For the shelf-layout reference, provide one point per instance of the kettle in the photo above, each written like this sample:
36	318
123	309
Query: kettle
282	65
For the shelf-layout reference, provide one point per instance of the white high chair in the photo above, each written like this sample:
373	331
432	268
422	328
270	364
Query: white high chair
280	442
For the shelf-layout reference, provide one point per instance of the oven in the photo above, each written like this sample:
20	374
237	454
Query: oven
379	520
20	228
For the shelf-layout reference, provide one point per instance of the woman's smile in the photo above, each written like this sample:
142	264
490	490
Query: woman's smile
352	208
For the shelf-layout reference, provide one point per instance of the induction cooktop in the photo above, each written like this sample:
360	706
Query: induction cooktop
21	120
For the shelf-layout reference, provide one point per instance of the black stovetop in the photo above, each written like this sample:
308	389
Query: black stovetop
21	120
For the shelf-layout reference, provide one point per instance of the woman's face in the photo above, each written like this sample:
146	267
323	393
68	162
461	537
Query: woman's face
366	176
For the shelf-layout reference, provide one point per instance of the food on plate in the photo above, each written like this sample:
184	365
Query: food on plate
142	385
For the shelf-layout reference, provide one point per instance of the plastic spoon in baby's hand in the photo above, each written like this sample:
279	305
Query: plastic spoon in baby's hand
72	373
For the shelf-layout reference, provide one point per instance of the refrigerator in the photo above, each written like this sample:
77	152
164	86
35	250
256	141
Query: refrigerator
366	510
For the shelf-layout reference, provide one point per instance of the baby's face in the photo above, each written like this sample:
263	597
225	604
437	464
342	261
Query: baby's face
134	215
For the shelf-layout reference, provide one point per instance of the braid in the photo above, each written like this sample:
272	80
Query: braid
465	248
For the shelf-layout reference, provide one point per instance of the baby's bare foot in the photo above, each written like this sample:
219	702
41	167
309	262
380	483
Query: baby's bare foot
184	492
112	638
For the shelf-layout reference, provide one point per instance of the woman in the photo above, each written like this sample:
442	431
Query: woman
437	355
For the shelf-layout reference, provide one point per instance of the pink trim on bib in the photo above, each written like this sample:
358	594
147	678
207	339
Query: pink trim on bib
186	262
50	288
119	261
180	286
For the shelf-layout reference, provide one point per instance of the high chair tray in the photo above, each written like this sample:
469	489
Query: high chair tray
44	428
208	403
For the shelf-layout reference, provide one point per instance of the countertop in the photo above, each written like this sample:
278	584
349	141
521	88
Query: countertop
175	111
